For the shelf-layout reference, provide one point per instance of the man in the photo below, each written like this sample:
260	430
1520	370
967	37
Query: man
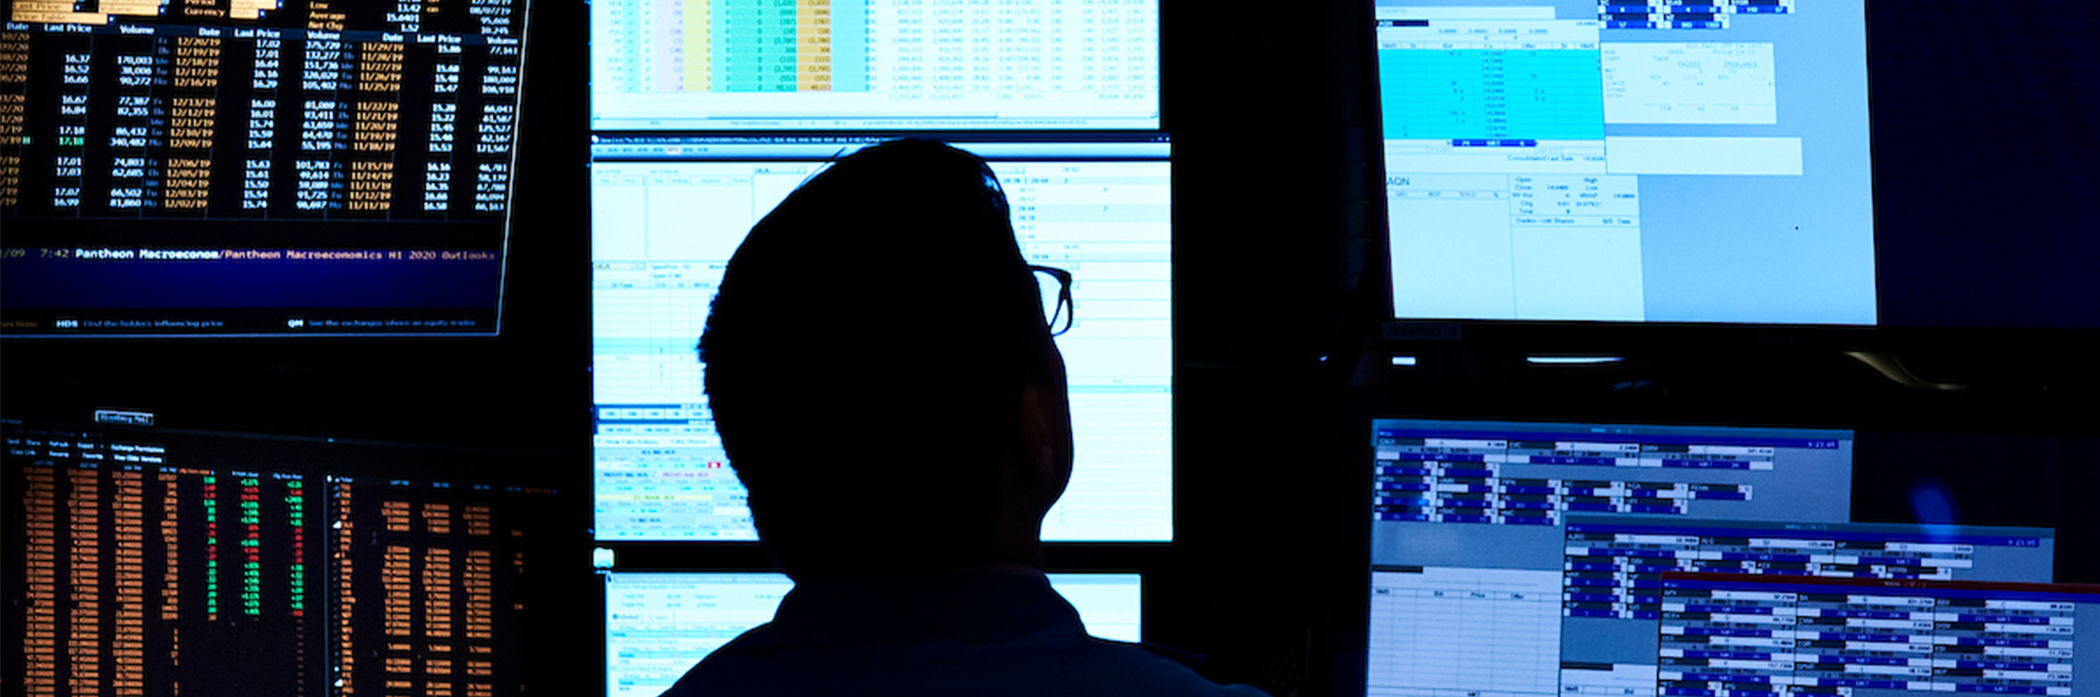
885	381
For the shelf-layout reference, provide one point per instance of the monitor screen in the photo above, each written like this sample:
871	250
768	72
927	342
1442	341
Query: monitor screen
256	168
1732	634
733	65
669	212
1531	558
657	625
146	562
1560	160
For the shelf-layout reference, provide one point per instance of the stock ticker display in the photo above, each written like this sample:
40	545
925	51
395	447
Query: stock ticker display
138	566
306	165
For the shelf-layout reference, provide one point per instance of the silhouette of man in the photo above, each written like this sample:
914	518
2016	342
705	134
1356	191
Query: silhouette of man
885	382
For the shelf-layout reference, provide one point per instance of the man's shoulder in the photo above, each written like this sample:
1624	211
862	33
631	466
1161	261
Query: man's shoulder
1062	666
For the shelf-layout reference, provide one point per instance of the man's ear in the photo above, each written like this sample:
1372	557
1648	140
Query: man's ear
1042	467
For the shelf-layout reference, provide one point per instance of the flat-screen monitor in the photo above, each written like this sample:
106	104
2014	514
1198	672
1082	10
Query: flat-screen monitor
1569	160
667	213
818	65
256	167
1736	634
141	561
657	625
1521	558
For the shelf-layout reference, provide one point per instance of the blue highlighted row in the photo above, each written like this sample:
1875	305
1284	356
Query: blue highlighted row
1991	641
1611	614
1569	460
1619	24
1861	660
1609	583
1634	553
1723	677
1443	457
2001	689
1706	464
1723	631
1867	614
1736	655
1492	143
2003	665
1856	636
2001	619
1892	561
1862	683
1729	609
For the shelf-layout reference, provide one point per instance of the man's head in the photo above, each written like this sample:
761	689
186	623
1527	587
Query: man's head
881	374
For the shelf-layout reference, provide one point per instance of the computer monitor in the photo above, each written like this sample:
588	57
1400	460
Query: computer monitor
1735	634
866	65
256	168
144	561
658	624
1569	160
669	211
1530	558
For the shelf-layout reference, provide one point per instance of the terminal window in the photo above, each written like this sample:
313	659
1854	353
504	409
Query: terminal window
137	564
1627	161
1532	558
664	229
307	167
874	64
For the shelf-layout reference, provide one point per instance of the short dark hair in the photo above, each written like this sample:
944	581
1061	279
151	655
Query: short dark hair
865	354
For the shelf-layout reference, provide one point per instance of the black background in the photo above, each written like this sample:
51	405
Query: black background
1983	139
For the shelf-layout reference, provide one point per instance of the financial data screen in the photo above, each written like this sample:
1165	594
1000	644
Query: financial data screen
657	625
1531	558
669	212
1723	634
147	563
715	65
1703	161
216	167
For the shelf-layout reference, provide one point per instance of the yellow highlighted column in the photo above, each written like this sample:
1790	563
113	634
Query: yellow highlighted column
699	46
813	45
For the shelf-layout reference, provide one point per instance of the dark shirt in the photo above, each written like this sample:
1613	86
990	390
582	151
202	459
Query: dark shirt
971	632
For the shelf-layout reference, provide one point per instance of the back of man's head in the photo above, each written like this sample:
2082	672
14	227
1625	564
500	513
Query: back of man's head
865	353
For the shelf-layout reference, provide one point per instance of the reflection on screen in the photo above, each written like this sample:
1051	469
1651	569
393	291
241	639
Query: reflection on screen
1649	161
666	222
657	625
874	64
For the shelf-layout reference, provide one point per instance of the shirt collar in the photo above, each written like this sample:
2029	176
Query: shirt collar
972	605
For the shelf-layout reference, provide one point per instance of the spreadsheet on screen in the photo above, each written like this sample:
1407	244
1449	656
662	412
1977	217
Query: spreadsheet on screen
666	224
1518	558
726	65
1642	161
